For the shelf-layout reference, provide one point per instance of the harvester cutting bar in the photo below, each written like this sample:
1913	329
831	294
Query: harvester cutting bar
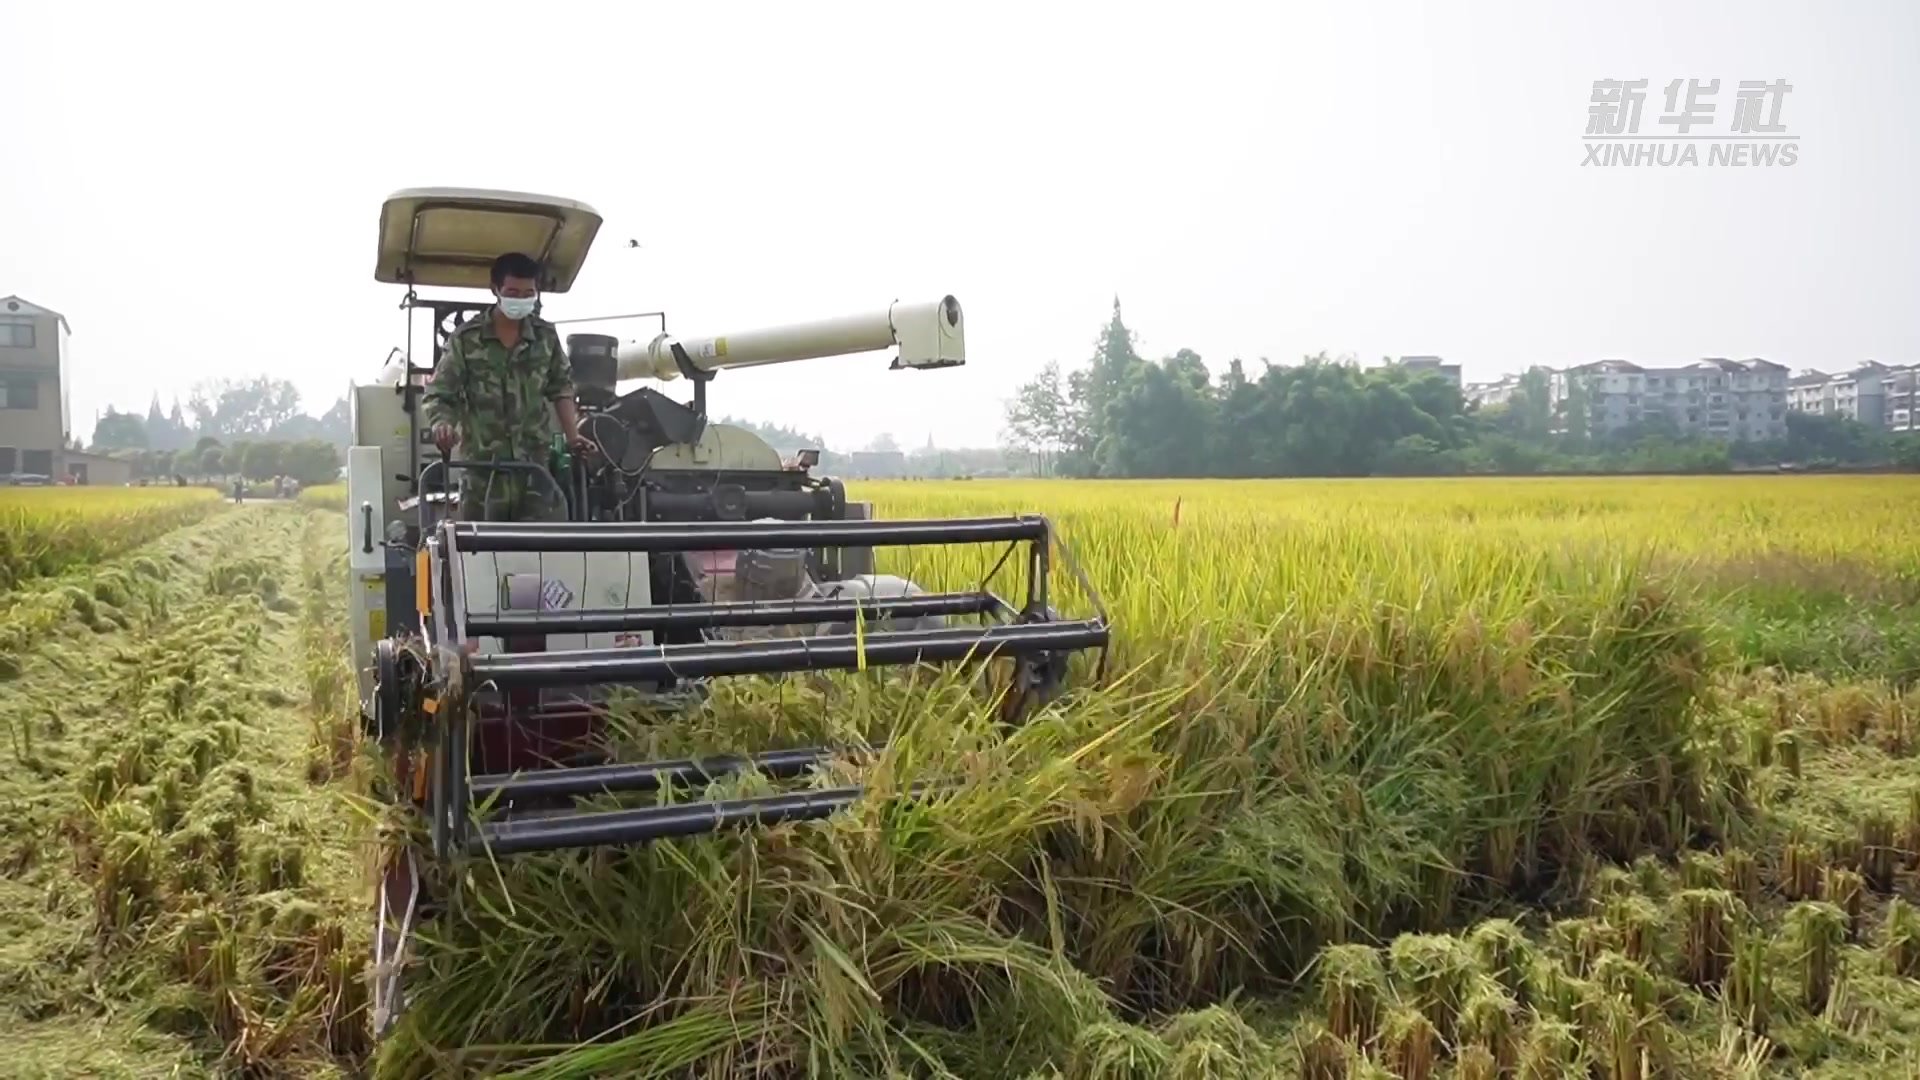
643	776
640	825
659	663
479	536
736	613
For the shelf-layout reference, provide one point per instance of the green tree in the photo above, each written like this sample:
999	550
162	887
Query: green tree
310	462
1114	361
1236	430
119	431
1415	455
1570	413
1904	451
1432	396
1035	421
263	460
1160	422
1833	440
251	408
1047	426
1532	402
167	431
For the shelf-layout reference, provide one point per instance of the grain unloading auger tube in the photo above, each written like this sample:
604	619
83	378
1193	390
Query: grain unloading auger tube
478	690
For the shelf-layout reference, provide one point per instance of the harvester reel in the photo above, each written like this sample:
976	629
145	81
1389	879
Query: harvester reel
854	623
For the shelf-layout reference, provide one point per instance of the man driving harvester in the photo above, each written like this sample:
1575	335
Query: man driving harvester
495	392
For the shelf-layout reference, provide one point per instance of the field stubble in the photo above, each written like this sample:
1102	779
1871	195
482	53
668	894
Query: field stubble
179	895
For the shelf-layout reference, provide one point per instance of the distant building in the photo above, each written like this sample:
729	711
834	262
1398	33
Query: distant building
1487	394
877	464
34	420
1873	393
1861	394
1716	398
1902	410
1451	372
1719	398
98	469
1810	392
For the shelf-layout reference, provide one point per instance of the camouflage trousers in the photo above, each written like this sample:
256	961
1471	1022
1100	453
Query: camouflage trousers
507	497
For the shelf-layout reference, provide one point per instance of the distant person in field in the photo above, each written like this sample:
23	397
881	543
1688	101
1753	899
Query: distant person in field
496	393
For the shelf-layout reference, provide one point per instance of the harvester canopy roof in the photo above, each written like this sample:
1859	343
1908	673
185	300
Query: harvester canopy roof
448	237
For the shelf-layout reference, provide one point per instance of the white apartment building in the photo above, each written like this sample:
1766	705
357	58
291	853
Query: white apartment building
1866	394
1810	392
1861	394
1487	394
1717	398
1902	407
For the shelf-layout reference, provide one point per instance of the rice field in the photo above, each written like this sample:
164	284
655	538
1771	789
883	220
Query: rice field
1462	778
325	496
46	530
1598	777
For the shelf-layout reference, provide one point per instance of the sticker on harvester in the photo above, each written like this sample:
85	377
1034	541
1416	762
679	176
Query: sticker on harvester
555	595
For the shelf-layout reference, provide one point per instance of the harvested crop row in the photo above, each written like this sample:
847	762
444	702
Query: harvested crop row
1793	945
189	870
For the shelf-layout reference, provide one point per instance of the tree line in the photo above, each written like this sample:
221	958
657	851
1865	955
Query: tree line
308	461
927	462
1121	415
251	428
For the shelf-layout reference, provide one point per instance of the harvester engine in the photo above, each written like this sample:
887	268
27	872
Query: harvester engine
491	654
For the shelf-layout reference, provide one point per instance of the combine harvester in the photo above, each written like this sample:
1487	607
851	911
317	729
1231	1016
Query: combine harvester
488	653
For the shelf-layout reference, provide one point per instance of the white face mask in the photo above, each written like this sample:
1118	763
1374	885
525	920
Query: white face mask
517	307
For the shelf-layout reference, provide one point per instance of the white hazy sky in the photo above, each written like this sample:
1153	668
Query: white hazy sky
196	186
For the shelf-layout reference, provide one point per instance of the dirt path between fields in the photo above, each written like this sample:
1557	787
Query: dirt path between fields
173	880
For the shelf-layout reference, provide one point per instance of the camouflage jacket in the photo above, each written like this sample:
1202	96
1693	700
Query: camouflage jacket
500	400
